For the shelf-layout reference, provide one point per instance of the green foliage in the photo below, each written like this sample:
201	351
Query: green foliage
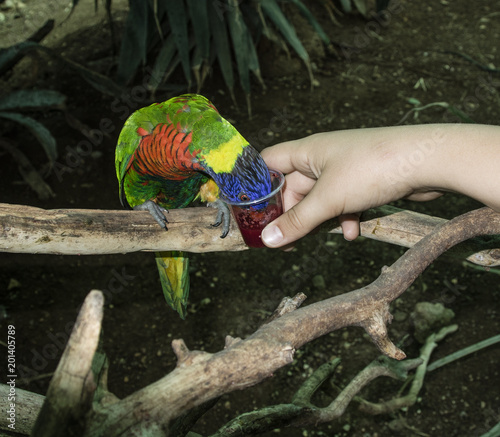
23	100
194	34
418	107
14	104
11	107
362	6
348	6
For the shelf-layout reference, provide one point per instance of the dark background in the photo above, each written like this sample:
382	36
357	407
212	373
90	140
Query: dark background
232	293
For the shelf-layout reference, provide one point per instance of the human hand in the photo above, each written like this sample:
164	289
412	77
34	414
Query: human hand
336	174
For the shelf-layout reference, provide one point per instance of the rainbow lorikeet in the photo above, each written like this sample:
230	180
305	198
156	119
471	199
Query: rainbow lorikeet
170	154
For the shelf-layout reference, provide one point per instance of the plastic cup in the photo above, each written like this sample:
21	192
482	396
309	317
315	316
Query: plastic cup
253	216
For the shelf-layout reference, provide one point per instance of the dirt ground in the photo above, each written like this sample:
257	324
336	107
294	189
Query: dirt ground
368	83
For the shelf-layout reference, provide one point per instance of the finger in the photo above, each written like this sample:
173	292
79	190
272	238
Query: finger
288	157
350	226
424	196
297	186
301	219
278	157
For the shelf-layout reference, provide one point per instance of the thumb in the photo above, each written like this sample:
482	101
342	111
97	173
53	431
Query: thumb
298	221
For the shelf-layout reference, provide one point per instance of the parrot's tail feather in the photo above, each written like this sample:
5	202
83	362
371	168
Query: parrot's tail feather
174	277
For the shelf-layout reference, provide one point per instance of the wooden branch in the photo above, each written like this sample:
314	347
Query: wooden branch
406	228
200	376
70	391
25	229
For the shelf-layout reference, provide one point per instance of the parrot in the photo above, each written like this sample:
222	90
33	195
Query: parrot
172	153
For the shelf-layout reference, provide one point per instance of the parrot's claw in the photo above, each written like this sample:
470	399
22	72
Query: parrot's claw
155	210
223	216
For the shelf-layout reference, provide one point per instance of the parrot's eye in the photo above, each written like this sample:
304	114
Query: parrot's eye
243	197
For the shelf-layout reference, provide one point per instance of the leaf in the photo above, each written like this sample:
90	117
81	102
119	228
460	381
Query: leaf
28	172
221	47
156	17
271	35
314	23
10	53
199	21
161	11
197	62
36	37
238	30
455	111
346	6
32	99
273	11
134	41
251	11
41	133
98	81
162	63
361	7
253	60
177	19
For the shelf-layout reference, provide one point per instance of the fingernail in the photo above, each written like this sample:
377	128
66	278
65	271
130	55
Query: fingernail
272	236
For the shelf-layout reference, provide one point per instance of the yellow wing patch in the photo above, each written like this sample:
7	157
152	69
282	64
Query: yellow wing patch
223	158
209	191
